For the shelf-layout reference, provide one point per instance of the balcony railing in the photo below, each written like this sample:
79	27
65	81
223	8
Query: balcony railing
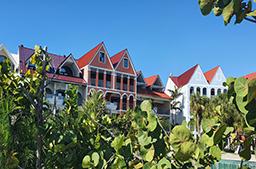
60	100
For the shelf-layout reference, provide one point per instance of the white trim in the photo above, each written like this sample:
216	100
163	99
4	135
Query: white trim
124	95
113	93
10	56
68	57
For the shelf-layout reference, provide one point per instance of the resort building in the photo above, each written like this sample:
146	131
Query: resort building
152	88
193	81
114	76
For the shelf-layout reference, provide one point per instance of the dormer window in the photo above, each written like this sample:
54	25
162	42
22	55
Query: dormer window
66	71
102	57
125	63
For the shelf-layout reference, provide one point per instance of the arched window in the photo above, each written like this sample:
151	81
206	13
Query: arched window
131	106
198	90
60	97
219	91
124	106
204	91
67	71
212	92
191	90
225	90
80	99
48	91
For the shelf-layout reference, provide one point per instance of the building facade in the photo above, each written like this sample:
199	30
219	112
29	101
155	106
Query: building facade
193	81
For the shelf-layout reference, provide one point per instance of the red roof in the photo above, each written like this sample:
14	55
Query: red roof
210	74
67	78
251	76
151	80
86	58
184	78
117	57
154	94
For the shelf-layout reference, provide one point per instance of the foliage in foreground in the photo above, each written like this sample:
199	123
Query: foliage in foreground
89	137
238	9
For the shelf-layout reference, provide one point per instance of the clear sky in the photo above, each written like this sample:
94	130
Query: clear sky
162	36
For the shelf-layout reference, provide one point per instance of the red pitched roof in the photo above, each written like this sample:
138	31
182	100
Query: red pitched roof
184	78
151	80
117	57
67	78
86	58
210	74
250	76
154	94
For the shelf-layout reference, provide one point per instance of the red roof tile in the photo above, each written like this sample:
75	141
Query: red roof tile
86	58
210	74
151	80
67	78
184	78
251	76
117	57
154	94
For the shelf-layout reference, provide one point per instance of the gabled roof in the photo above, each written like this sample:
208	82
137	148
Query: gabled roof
184	78
150	81
117	58
250	76
87	58
209	75
25	53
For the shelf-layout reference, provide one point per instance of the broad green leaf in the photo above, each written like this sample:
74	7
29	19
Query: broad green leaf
179	135
205	139
150	154
118	142
152	122
215	151
86	163
186	151
228	12
146	106
208	124
206	6
241	87
245	153
95	159
219	134
164	164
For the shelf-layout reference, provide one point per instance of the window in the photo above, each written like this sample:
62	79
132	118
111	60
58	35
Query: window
2	58
102	57
198	91
225	91
204	91
66	71
219	91
212	92
126	63
191	90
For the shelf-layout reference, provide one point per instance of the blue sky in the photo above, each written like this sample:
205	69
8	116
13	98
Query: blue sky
162	37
